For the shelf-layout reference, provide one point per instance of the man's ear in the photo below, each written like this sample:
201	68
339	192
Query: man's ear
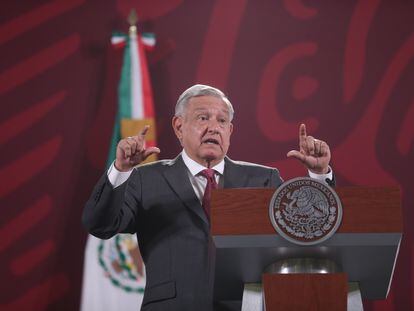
177	124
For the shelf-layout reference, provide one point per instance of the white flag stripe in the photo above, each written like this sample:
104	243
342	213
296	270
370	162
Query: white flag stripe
137	109
149	41
117	39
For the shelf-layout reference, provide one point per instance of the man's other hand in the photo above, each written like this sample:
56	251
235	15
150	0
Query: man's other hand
313	153
131	151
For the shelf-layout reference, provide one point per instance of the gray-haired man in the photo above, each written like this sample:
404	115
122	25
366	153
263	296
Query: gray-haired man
162	201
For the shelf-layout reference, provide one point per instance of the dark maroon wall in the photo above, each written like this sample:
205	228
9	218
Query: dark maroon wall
345	68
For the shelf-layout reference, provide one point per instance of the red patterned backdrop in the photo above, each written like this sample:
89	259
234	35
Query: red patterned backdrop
345	68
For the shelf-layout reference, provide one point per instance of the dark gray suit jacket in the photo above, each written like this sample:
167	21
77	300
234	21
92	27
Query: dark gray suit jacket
159	204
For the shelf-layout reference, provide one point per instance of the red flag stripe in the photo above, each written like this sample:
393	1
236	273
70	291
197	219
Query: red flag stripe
146	85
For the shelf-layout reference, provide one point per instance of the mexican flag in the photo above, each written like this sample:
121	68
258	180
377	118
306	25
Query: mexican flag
114	273
135	103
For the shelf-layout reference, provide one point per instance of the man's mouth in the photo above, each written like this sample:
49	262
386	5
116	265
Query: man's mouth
211	141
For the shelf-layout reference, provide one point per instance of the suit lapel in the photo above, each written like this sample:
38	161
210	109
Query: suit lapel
177	177
234	175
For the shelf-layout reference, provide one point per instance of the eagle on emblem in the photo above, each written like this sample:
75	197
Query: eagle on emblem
306	202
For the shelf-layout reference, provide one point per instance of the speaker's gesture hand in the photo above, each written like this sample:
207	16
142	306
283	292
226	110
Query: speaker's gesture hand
131	151
313	153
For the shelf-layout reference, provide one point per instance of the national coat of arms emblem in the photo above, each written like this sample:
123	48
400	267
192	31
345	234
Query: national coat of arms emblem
305	211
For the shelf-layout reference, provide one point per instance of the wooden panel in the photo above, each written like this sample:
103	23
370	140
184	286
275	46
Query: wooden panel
365	210
305	292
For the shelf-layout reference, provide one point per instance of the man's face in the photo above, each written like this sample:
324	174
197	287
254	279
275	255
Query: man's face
204	129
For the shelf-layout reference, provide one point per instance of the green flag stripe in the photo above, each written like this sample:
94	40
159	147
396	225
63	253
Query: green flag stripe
124	87
116	136
124	101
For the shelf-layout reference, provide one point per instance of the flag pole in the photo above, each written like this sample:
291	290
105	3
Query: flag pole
132	21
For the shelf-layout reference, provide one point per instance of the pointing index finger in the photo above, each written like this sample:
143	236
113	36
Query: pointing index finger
144	131
302	133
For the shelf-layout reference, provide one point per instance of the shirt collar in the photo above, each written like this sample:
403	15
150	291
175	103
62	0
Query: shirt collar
196	168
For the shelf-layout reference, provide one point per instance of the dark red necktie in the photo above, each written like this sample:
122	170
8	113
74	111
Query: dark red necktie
208	173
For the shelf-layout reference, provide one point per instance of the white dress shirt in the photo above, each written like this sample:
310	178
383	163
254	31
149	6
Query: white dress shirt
198	181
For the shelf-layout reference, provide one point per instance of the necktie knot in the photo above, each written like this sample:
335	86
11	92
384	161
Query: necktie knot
208	173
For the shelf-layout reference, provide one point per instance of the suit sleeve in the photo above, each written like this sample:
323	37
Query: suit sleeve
275	180
112	210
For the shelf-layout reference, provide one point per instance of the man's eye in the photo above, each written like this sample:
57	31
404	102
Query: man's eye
202	118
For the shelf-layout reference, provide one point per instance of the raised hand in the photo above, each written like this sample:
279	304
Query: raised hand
313	153
131	151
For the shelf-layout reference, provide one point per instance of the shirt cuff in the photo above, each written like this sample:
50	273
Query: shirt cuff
117	178
322	177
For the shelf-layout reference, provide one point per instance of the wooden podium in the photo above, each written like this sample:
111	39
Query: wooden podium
365	246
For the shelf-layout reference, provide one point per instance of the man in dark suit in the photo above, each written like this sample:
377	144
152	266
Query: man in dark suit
167	202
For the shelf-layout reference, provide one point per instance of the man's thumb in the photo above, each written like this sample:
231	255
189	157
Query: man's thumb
151	150
296	154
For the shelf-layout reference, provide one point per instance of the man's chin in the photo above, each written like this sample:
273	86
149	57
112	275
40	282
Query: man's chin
212	157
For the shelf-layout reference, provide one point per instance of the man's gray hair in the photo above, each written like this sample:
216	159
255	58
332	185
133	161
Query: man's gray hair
201	90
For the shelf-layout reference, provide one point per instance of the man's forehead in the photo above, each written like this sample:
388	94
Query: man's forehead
206	103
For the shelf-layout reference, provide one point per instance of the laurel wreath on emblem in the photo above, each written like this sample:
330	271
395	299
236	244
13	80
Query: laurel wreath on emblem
127	276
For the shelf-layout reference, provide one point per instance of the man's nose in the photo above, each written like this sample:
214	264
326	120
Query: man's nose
213	126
